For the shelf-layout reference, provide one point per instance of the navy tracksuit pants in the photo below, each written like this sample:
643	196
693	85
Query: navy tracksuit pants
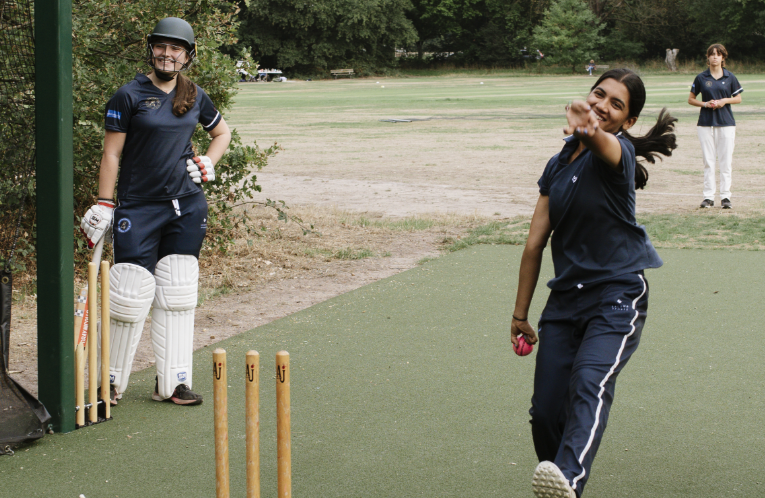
586	336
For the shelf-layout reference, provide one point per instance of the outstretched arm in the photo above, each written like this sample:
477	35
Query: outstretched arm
531	262
583	124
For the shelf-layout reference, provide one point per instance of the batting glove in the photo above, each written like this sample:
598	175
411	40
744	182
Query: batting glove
97	222
200	169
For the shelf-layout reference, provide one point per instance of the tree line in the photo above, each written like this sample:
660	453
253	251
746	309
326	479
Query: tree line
310	36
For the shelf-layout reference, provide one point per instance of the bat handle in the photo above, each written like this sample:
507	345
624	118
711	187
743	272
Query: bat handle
98	251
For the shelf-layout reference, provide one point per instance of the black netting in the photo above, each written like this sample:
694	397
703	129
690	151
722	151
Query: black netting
22	417
17	118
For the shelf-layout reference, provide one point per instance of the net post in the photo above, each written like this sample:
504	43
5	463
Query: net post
55	205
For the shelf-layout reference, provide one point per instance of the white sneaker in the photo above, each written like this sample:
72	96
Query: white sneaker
549	482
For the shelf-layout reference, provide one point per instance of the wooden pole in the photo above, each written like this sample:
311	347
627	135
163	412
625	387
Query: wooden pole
220	400
92	345
105	338
252	423
283	447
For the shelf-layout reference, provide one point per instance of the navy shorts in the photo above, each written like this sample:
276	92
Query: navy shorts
145	232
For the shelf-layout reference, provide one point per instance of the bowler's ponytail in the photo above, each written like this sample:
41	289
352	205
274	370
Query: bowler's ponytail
660	139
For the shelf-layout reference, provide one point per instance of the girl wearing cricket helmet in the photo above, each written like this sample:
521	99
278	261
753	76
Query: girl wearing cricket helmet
160	218
592	322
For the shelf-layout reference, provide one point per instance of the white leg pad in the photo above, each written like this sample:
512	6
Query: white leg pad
172	323
131	294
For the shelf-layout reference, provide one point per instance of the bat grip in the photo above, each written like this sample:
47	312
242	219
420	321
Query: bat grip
97	252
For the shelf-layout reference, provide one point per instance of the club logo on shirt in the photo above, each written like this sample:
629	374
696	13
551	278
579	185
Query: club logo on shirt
152	103
573	180
709	84
124	225
204	224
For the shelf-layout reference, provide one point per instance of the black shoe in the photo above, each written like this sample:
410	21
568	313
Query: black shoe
726	204
707	203
182	395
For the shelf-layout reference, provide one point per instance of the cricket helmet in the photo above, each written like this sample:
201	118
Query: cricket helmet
172	28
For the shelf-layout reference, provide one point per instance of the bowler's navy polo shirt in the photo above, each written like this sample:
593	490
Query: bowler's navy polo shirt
711	89
592	213
158	142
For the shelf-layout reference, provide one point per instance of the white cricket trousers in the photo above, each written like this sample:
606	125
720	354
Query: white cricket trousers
717	147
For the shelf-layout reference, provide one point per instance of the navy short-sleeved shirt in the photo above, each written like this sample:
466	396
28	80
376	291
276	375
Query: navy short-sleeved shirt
158	142
592	213
711	89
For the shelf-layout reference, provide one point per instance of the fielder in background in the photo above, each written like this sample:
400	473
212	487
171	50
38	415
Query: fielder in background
160	219
592	322
716	127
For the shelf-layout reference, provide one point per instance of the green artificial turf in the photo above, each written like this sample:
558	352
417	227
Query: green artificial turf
408	387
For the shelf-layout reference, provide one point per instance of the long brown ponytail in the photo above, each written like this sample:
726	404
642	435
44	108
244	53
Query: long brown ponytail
185	95
660	139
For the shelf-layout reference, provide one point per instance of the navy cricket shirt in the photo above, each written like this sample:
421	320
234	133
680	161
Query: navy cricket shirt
158	142
711	89
592	213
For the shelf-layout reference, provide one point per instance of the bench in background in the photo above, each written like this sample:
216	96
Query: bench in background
342	72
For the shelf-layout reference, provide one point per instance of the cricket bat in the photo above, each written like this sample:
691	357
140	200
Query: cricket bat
81	327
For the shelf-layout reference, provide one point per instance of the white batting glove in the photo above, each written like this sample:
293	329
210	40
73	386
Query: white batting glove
97	222
200	169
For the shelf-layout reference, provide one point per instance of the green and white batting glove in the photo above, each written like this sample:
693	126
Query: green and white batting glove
201	169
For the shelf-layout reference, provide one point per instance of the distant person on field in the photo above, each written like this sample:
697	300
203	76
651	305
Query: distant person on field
598	305
716	127
591	67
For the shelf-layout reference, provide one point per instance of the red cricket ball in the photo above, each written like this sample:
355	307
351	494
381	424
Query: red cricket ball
522	348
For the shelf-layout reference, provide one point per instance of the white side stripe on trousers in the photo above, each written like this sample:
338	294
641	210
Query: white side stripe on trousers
603	383
177	207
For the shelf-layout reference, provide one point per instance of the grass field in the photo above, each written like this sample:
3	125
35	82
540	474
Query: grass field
484	142
408	387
